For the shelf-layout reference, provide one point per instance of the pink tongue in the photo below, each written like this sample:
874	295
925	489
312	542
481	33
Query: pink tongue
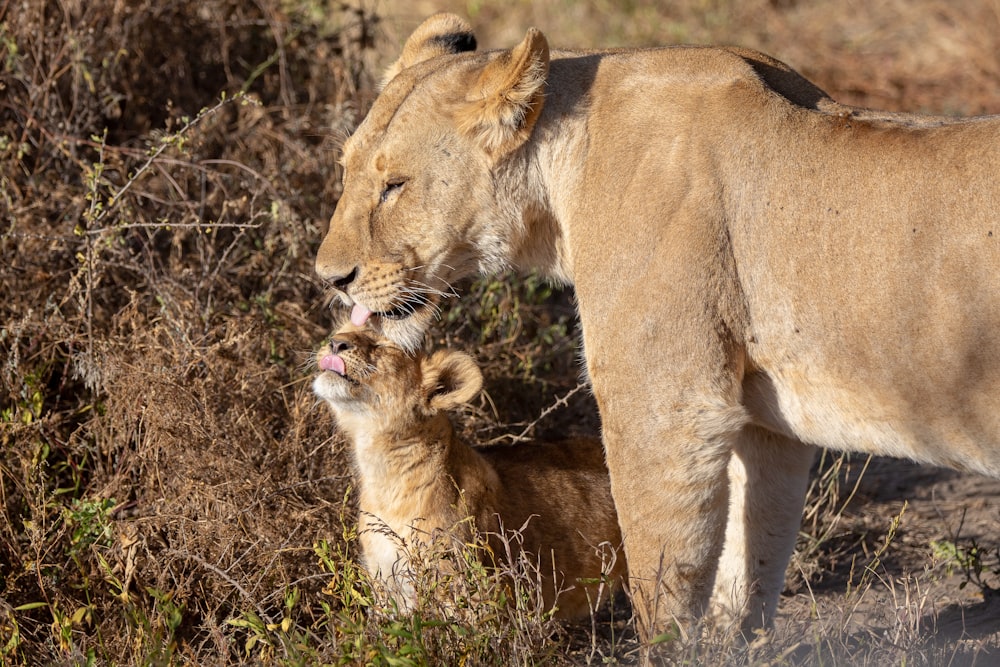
359	315
331	362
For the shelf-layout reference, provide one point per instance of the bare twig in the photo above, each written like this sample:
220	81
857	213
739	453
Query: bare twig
560	402
222	574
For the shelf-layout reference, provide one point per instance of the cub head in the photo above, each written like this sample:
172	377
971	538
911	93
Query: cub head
374	385
419	208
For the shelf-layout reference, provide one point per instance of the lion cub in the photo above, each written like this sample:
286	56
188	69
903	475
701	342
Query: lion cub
417	480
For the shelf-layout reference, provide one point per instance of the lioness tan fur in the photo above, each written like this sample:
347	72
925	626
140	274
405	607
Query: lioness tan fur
756	267
418	481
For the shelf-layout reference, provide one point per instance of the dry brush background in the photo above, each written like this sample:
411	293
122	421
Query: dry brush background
172	493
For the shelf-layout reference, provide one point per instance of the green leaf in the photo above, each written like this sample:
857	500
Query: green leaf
31	605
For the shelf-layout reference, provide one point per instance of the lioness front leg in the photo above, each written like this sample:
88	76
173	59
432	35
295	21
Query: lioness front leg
768	478
668	478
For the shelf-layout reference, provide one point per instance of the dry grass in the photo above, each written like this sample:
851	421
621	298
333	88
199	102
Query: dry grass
172	493
164	469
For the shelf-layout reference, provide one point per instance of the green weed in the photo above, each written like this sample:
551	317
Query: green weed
978	565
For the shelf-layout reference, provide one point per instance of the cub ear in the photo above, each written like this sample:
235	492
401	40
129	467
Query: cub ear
439	35
450	379
504	104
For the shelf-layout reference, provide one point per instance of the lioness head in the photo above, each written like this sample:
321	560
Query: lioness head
373	384
419	208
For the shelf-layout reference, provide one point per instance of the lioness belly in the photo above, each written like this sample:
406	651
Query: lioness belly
873	294
959	431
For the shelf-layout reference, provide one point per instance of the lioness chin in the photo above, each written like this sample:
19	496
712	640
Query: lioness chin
757	268
418	481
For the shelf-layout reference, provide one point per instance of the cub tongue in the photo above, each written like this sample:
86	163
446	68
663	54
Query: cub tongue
359	315
332	362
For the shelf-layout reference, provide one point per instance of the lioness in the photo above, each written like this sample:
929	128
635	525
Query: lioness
756	267
418	480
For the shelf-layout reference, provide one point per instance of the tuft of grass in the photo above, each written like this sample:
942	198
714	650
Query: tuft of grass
469	613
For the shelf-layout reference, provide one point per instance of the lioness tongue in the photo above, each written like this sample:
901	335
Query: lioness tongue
332	362
359	315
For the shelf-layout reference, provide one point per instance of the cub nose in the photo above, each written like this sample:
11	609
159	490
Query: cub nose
342	282
339	345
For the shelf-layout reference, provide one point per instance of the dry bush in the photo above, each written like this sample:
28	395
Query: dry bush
167	170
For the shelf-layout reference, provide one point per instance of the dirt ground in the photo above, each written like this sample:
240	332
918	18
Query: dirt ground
171	491
918	587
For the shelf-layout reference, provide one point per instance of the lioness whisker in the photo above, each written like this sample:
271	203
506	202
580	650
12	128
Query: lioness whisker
413	301
417	286
420	289
420	301
435	277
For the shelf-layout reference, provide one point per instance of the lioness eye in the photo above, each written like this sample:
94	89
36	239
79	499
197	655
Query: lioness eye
390	187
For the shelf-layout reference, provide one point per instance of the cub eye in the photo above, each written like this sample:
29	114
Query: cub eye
395	185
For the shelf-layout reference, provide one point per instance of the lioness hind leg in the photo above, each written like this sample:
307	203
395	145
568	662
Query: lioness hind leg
768	479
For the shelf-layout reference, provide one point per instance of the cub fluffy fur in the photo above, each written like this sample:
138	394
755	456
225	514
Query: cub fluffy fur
417	480
757	269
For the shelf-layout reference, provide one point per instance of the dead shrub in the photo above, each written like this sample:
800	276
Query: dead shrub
166	169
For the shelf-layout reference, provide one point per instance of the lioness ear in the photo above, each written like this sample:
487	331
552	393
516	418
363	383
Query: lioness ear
449	379
502	107
439	35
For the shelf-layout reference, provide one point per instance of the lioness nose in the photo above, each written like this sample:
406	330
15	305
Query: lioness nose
342	282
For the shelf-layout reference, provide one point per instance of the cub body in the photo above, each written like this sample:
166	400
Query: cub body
417	481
